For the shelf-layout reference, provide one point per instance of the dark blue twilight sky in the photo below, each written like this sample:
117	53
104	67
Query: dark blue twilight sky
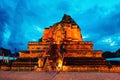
24	20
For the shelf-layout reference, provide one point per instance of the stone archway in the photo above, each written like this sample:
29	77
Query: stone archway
58	34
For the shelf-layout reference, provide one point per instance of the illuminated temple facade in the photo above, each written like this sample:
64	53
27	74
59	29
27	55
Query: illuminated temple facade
65	32
62	48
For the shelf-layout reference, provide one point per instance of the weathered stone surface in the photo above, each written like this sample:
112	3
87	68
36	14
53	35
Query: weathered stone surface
67	19
67	34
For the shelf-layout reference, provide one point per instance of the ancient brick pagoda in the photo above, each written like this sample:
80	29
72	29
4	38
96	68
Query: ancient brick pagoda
62	48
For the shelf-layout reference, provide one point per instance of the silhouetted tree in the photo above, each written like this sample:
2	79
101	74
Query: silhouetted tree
40	40
118	53
16	54
108	54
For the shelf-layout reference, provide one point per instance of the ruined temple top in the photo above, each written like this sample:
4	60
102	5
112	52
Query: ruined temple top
67	19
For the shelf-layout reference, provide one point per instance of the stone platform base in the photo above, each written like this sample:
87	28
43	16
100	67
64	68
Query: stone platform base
92	69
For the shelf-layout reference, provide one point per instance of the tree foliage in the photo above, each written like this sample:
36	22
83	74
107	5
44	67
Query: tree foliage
118	53
108	54
40	40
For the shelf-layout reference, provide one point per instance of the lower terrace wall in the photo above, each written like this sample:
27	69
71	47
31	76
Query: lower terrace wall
67	68
6	68
91	68
22	68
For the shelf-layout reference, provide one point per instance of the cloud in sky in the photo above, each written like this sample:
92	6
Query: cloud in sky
24	20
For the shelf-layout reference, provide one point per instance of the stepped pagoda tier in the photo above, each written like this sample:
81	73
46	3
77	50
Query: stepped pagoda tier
65	32
62	48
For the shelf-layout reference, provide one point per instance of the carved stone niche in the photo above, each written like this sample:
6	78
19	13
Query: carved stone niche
58	34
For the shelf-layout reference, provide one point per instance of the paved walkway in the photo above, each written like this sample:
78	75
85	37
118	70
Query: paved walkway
12	75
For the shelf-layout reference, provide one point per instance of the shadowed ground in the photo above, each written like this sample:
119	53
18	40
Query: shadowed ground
12	75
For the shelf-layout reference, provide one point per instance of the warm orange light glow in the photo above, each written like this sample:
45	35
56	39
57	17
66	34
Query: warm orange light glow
59	66
78	52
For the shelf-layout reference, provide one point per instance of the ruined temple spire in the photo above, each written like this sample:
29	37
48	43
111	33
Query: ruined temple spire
67	19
